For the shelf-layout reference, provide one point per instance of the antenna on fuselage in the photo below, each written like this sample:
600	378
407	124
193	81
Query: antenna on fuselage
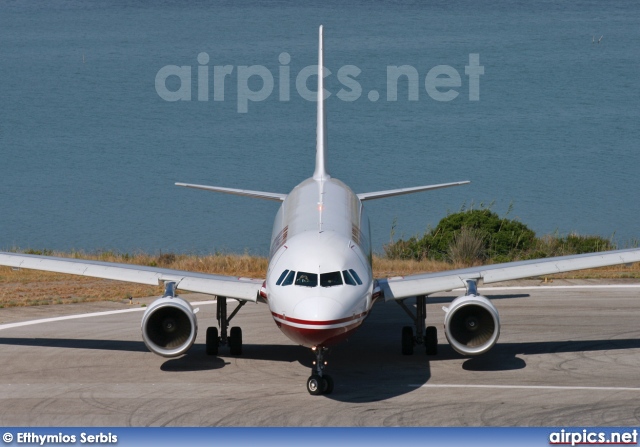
321	172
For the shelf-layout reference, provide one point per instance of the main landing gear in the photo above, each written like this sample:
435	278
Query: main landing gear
234	339
319	383
423	336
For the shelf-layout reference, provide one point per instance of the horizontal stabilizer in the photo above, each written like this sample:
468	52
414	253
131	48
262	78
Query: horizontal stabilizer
239	192
398	192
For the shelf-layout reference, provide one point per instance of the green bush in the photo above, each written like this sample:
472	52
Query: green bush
467	247
471	236
575	243
501	237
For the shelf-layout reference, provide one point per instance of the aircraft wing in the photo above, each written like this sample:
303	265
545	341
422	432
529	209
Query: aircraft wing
401	287
245	289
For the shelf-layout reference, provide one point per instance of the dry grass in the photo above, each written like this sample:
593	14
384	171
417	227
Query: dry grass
32	287
384	267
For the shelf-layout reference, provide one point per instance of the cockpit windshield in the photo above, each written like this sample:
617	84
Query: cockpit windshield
356	277
284	274
330	279
348	279
307	279
289	279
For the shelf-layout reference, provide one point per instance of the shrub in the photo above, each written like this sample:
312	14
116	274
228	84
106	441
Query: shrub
501	237
467	247
577	244
573	244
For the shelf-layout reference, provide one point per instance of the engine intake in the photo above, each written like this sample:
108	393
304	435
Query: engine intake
472	325
169	326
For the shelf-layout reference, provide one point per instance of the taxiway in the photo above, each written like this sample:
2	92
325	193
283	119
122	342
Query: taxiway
566	357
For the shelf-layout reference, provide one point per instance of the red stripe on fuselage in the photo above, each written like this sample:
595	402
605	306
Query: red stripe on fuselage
311	337
317	337
319	322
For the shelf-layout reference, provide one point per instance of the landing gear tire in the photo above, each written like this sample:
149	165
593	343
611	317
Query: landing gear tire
235	341
316	385
431	340
328	389
213	342
407	340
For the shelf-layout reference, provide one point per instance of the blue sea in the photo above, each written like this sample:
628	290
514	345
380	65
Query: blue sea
90	149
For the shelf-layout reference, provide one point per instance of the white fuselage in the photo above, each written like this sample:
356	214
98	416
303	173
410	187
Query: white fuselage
321	234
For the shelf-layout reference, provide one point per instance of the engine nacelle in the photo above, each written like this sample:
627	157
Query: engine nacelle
169	326
472	325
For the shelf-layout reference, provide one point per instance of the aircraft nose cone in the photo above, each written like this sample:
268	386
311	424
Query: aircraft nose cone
318	309
318	321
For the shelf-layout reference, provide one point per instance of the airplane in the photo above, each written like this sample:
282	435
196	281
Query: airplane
319	285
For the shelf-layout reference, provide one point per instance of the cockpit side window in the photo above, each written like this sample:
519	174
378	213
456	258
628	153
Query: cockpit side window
330	279
307	279
355	275
348	279
282	277
289	279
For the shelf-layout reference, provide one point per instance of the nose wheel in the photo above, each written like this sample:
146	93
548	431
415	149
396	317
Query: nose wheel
319	383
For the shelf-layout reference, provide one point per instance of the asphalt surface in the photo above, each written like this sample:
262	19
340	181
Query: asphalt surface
566	357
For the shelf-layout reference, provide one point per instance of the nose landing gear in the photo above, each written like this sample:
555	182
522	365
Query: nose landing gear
319	383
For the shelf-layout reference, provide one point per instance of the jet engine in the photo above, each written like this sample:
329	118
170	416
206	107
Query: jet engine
472	325
169	325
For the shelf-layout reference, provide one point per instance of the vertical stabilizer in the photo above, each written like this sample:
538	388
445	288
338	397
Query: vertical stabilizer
321	172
